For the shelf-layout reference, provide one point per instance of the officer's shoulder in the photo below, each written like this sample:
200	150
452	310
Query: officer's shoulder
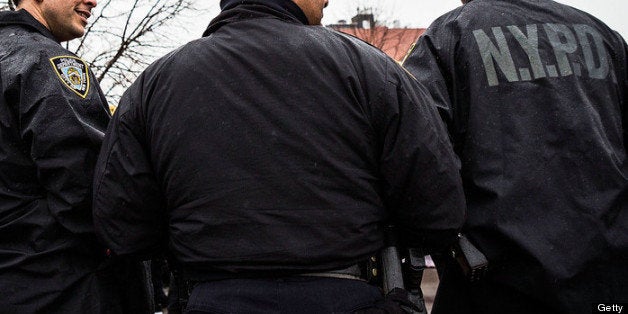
341	36
355	45
175	57
34	47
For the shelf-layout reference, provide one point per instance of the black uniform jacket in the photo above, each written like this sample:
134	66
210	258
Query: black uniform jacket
272	145
535	97
52	121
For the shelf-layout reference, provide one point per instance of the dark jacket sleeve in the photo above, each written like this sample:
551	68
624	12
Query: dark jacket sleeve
427	65
129	207
62	132
430	62
423	189
624	104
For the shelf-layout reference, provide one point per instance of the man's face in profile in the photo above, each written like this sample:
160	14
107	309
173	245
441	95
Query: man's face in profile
313	9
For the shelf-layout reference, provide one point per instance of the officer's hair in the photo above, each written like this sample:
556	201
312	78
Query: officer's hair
16	2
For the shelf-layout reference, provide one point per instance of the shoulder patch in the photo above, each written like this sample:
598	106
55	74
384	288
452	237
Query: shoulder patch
73	72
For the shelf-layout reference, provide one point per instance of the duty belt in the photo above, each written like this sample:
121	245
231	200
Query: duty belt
353	272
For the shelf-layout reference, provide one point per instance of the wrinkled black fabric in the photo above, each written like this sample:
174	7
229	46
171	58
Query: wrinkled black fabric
24	19
50	260
542	138
284	6
296	294
247	12
272	146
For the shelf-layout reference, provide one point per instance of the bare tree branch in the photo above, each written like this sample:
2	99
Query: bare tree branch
123	38
88	30
8	6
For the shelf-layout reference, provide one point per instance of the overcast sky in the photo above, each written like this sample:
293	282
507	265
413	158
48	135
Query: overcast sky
420	13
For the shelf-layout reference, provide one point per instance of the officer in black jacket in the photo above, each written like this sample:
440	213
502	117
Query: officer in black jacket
52	121
267	155
535	97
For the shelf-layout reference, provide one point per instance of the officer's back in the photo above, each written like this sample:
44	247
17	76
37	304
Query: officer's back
535	95
270	148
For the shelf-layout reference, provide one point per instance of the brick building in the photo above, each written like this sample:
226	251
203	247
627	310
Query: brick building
394	41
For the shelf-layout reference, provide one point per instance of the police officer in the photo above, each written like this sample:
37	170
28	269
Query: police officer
266	158
534	94
52	119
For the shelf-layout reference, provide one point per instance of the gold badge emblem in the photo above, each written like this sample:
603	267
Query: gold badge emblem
73	72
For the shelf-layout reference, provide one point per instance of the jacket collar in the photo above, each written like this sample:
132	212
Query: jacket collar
286	6
249	9
22	17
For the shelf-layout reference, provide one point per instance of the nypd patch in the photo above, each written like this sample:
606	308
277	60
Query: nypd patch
73	72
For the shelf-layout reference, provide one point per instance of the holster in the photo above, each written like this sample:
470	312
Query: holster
401	274
472	261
